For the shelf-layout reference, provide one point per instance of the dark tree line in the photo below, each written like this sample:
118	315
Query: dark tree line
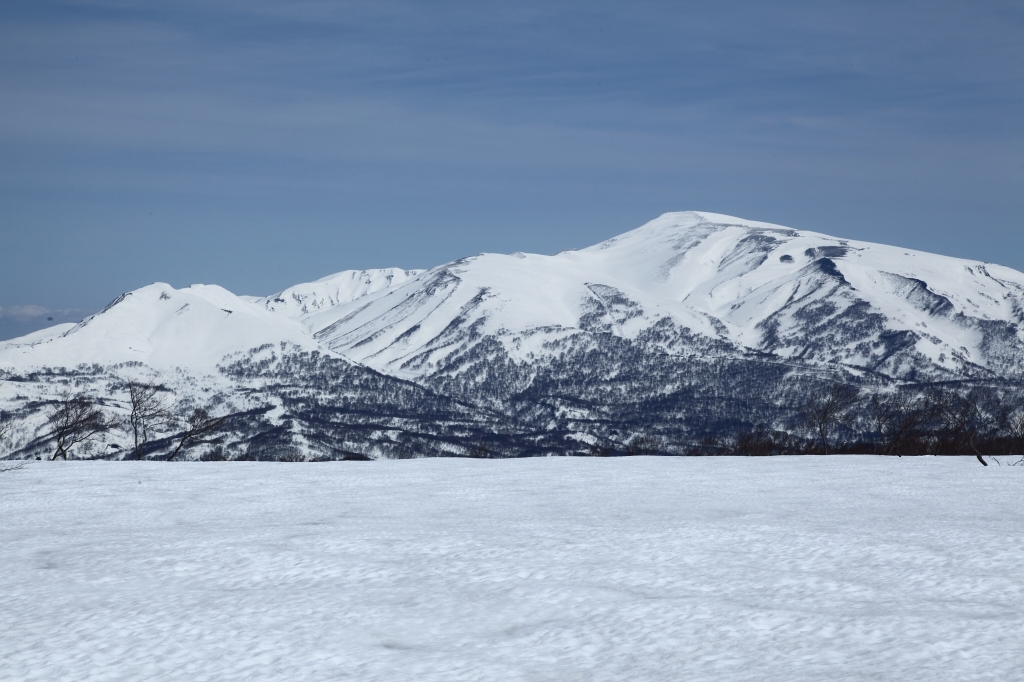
340	411
840	419
926	419
828	410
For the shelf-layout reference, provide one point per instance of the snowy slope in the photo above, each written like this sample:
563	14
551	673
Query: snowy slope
41	335
645	569
159	326
684	282
333	290
284	395
688	325
756	286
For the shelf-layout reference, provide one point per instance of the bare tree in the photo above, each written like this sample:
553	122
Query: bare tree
1011	422
761	441
199	426
5	426
709	444
74	419
897	417
148	411
962	417
952	415
825	412
480	451
986	423
5	430
643	444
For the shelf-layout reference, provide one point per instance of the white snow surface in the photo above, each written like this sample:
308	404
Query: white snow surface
788	569
720	276
333	290
754	285
162	327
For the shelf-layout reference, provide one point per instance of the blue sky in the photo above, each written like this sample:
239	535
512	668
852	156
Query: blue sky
256	145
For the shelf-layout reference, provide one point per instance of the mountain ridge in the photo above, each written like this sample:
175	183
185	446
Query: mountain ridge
691	323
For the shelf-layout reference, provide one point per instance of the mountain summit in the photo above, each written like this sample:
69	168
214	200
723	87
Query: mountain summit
684	324
697	279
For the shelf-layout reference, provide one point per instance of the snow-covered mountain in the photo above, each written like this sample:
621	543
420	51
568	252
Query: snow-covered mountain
331	291
704	279
161	327
696	313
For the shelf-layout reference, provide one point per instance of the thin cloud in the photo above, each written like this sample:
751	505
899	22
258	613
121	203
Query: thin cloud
254	143
24	313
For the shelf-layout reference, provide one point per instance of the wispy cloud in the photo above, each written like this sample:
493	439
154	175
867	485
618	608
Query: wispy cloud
19	320
22	312
38	312
258	143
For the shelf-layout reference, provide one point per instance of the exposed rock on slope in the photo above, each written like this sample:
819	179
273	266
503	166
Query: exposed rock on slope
694	322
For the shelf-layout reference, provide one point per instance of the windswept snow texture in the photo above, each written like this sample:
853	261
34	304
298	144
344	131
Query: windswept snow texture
787	569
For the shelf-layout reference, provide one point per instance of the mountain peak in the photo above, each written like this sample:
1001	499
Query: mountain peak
690	318
756	286
332	290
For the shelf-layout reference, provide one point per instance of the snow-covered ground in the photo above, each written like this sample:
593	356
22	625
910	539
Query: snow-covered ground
843	568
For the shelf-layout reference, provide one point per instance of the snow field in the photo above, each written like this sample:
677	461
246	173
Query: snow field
842	568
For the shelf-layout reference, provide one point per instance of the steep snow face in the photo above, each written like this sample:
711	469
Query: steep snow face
159	326
741	284
685	284
333	290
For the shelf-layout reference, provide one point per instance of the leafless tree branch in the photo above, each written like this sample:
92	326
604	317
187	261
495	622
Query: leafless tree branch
199	426
148	411
74	419
824	412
